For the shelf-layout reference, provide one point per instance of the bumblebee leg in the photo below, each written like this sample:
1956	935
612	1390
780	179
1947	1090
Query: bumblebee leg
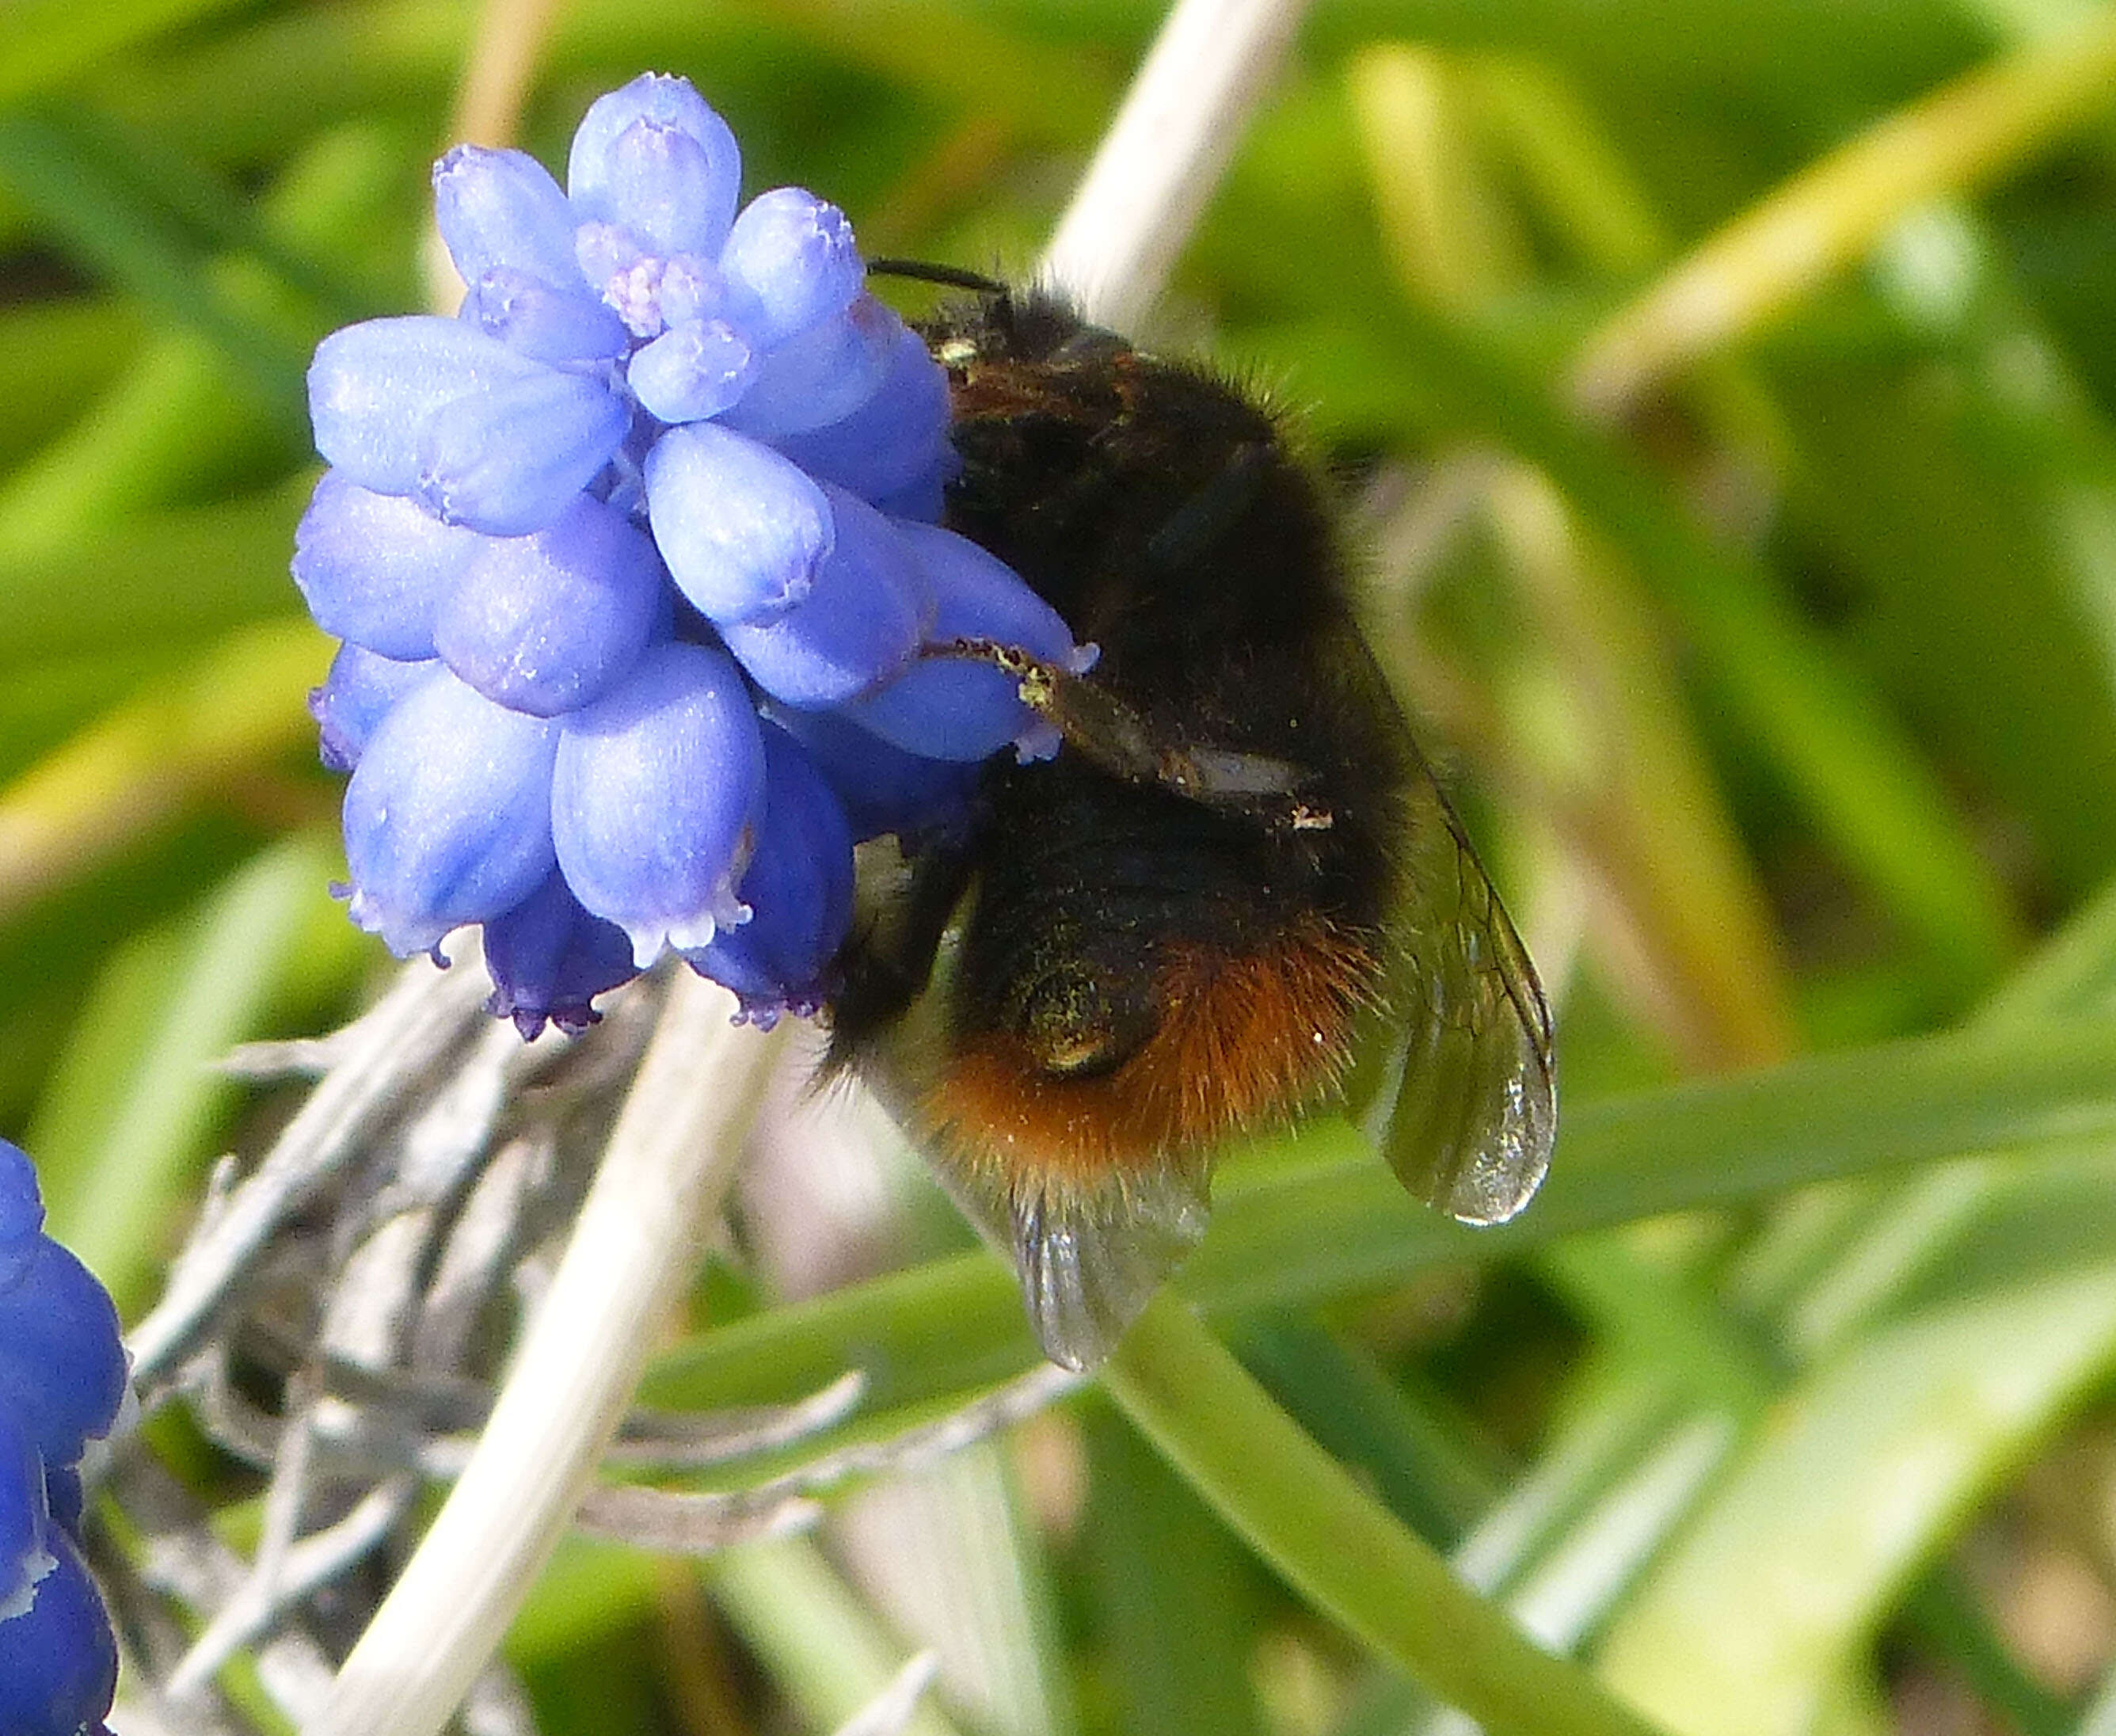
1118	738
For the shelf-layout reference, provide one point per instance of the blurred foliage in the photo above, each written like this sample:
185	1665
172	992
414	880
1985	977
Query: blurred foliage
1776	671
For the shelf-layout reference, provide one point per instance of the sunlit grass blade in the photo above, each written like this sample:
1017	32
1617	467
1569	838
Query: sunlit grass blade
1832	1509
948	1556
1777	253
239	707
120	1133
811	1629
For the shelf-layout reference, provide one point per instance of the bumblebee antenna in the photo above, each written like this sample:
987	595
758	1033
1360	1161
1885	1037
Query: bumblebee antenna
952	277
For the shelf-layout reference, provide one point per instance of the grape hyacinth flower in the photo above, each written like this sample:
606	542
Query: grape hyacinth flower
62	1379
646	615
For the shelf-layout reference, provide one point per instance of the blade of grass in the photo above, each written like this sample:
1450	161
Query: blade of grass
1333	1221
1176	1604
1885	1244
168	430
1426	1468
1863	1468
947	1555
190	199
166	578
53	357
1305	1515
1625	1464
1943	1611
123	1127
813	1631
239	707
1777	253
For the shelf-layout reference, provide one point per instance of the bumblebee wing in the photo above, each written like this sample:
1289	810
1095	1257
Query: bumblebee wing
1090	1262
1464	1101
1090	1258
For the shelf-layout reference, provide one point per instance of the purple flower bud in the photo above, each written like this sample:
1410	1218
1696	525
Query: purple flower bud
819	375
374	387
64	1498
796	254
664	187
553	326
742	528
507	461
545	624
58	1659
374	568
695	287
799	888
965	708
859	624
62	1376
654	796
356	696
482	435
550	959
693	370
623	274
881	788
61	1368
895	442
604	178
22	1214
448	815
24	1513
502	208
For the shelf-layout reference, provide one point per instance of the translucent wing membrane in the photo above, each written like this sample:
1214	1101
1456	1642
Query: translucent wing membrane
1090	1262
1090	1256
1459	1093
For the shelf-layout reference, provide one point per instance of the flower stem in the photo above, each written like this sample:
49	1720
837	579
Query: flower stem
1303	1514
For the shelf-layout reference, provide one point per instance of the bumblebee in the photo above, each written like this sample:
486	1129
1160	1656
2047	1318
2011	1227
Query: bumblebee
1236	890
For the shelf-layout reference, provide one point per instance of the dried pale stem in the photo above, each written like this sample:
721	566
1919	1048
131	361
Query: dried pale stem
1163	156
669	1161
384	1053
700	1524
185	1562
893	1709
264	1600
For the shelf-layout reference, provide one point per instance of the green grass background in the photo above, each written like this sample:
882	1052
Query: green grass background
1780	690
